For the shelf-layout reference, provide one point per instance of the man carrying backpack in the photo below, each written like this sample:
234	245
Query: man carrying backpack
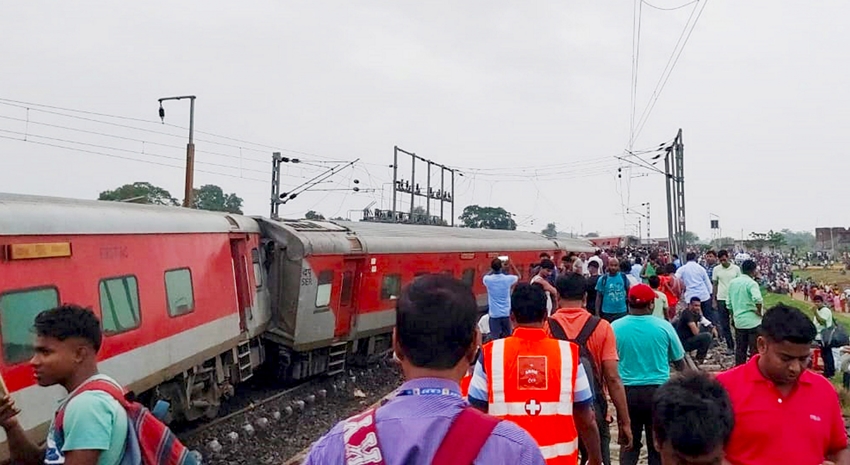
435	339
611	293
598	353
95	424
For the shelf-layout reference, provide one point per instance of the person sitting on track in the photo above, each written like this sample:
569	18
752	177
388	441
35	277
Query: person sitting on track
538	382
95	427
692	420
435	339
784	413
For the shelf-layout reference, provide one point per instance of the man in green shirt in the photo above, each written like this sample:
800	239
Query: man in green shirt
746	302
95	427
722	275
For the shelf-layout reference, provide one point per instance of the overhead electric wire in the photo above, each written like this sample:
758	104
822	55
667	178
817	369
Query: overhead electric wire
668	9
671	64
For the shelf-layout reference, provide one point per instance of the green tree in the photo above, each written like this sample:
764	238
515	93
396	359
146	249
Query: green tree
690	238
592	234
211	197
314	215
800	240
550	231
139	192
475	216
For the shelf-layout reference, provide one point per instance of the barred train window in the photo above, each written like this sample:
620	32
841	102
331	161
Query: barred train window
119	304
18	310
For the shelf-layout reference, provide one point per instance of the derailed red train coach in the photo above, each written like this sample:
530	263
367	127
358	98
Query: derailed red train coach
193	303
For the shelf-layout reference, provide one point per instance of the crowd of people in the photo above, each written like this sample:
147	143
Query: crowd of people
538	392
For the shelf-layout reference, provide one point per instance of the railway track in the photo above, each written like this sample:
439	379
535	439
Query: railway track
277	427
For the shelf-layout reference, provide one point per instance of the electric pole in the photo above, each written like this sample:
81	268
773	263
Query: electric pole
188	187
674	172
415	190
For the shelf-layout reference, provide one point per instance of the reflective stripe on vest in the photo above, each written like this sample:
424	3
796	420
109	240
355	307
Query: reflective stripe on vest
560	449
499	407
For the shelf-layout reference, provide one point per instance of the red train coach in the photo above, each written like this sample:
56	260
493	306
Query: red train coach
334	284
179	293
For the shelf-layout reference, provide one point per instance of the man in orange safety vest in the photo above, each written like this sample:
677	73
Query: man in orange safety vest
538	383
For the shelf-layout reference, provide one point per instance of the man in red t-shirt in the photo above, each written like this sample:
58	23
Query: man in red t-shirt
783	412
602	348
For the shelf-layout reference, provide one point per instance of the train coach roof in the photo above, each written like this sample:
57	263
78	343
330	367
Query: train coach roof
37	215
321	237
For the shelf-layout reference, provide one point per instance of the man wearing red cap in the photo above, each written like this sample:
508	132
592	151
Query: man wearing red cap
646	346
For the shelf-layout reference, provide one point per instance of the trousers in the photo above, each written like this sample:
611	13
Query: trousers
700	343
500	328
725	316
601	409
639	401
745	344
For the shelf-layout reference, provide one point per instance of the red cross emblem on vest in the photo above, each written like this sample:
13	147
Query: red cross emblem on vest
532	407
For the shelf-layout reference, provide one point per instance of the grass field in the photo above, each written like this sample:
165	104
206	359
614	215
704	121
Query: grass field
771	299
828	276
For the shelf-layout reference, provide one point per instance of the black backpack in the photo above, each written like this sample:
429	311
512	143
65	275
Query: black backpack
585	357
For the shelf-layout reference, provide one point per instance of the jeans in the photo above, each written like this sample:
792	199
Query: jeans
700	343
745	344
612	317
500	328
639	401
601	409
725	317
828	361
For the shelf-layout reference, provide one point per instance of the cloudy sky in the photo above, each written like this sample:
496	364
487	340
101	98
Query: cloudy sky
531	100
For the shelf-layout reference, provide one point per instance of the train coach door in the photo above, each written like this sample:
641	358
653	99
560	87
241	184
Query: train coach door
238	252
347	297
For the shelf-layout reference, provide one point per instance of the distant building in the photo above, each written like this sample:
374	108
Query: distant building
614	242
837	238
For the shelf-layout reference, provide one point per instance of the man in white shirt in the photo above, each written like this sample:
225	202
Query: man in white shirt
823	319
697	284
722	275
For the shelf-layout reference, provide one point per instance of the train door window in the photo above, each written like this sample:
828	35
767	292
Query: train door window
18	310
391	286
119	304
258	271
179	292
323	291
468	276
347	289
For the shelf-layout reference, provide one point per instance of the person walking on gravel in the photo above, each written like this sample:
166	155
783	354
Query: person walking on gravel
428	421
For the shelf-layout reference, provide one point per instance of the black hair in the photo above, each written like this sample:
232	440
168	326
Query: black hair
691	256
638	260
528	303
818	297
625	266
654	282
653	256
670	268
496	265
785	323
593	264
436	316
711	252
571	286
70	321
694	413
723	253
748	267
544	255
675	255
695	299
547	264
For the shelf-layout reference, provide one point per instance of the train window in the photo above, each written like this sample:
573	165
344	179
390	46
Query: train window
323	291
18	310
391	287
468	276
119	304
347	289
178	291
258	271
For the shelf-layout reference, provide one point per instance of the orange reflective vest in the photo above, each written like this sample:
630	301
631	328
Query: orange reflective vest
531	381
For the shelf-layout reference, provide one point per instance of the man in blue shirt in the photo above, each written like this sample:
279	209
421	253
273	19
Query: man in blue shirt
499	287
646	346
611	292
697	284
